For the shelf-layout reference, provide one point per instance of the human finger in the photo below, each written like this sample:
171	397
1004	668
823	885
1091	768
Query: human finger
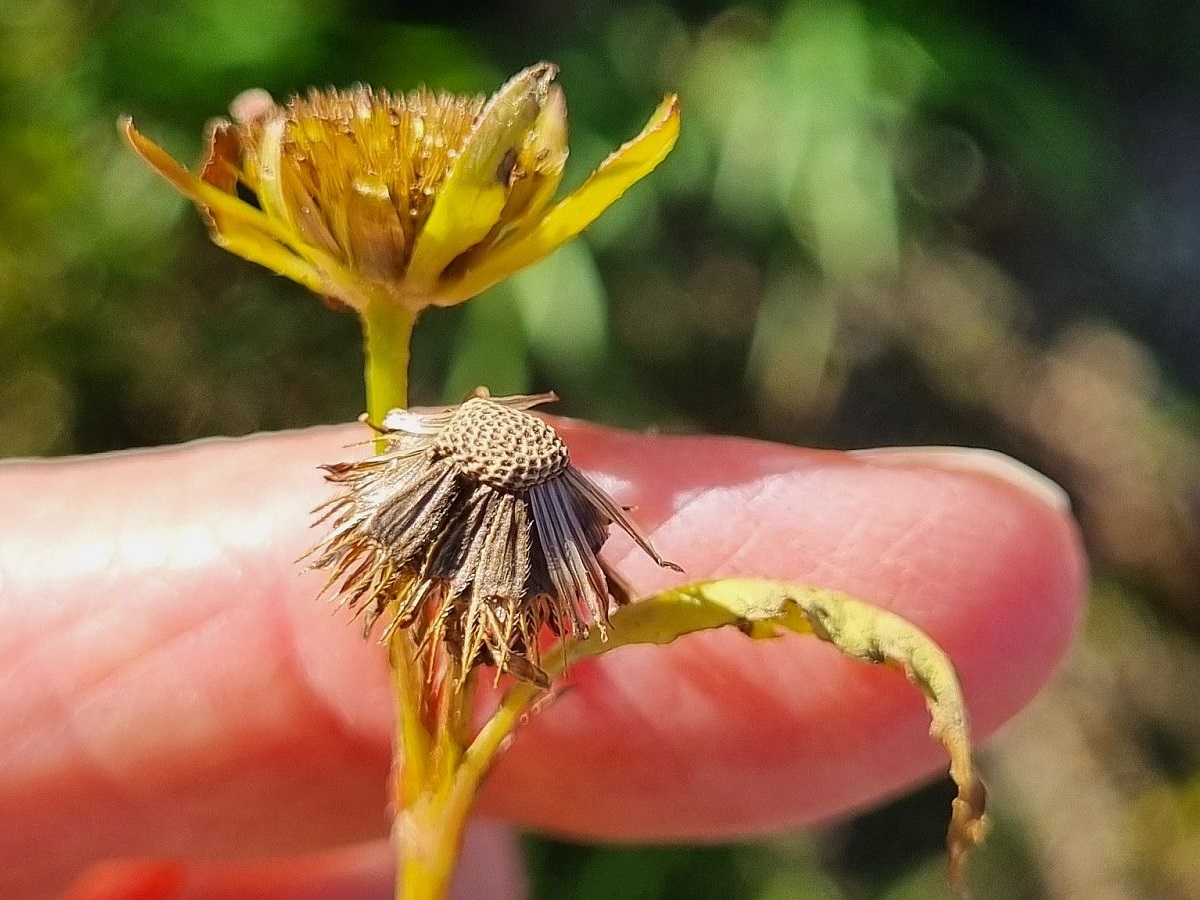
172	689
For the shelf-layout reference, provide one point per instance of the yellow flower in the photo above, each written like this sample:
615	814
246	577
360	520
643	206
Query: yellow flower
418	199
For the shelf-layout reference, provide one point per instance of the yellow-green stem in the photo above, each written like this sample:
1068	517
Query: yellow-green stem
426	842
435	778
431	833
388	327
413	742
432	826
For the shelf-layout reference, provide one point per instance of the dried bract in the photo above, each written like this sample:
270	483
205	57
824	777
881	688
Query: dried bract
475	530
418	199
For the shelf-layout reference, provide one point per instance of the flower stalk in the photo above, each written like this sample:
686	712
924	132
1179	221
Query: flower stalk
435	646
429	829
430	814
387	332
432	795
470	531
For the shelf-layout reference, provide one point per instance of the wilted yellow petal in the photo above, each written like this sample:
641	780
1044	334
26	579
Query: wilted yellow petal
540	162
624	167
279	260
472	197
535	179
206	195
220	169
269	185
762	609
238	226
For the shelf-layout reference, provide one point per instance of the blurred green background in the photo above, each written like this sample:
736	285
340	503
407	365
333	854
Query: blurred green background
885	223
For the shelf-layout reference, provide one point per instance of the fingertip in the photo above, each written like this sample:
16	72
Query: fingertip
1031	573
713	736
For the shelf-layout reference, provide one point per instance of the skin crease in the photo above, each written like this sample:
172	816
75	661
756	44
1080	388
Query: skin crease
168	687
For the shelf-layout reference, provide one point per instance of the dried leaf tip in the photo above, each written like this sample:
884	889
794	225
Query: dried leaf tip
475	530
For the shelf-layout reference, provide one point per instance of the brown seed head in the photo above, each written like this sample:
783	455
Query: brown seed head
500	446
476	532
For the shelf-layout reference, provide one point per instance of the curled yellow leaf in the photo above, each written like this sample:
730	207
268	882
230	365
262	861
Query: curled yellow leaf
763	609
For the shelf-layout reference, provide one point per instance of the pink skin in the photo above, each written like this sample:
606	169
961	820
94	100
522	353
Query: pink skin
169	689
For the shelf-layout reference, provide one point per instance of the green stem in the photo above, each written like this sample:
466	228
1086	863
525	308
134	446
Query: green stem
388	330
432	830
413	742
432	826
435	785
388	327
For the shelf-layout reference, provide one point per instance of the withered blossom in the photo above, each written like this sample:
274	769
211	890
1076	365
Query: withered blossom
419	199
474	528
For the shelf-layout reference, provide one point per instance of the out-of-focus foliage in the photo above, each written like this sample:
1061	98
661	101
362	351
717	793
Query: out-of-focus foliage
886	222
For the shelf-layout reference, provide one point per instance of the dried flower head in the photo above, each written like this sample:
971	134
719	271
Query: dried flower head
419	198
476	530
